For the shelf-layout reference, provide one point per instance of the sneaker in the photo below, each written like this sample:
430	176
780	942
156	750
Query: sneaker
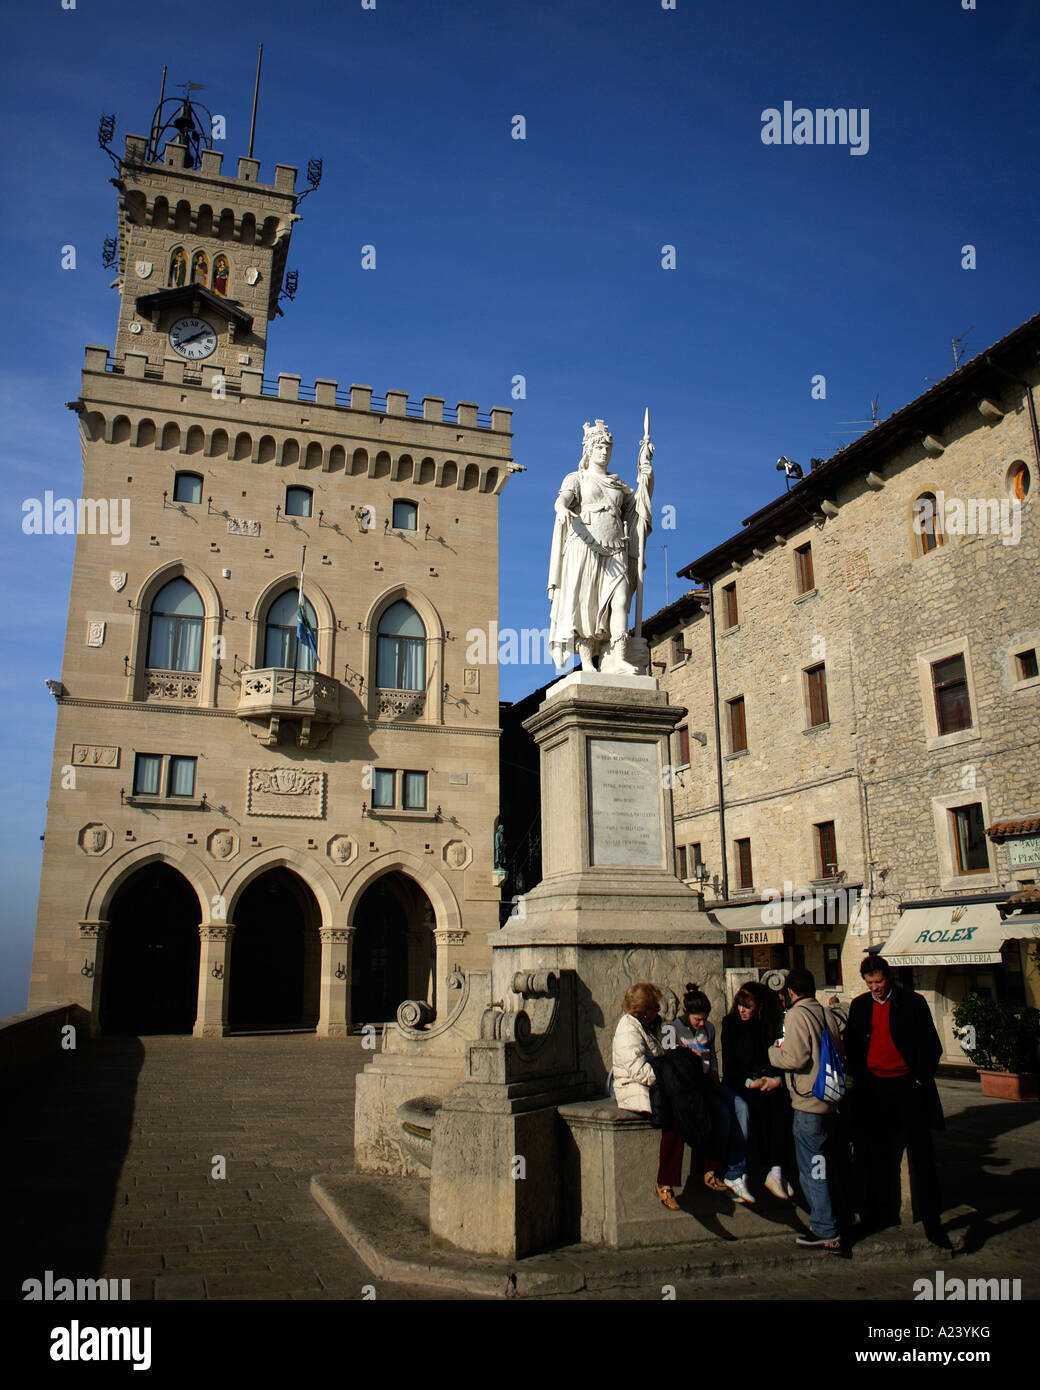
816	1242
740	1191
779	1188
667	1197
714	1183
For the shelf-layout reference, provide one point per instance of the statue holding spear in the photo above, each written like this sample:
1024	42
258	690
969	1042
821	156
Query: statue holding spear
598	557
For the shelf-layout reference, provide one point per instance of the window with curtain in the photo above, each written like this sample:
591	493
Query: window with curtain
182	777
147	767
281	645
187	487
401	649
383	787
175	628
297	501
413	788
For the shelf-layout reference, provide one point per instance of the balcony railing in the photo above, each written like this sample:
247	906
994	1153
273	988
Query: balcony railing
278	690
401	704
171	685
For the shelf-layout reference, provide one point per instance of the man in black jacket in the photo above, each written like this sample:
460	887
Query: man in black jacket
892	1051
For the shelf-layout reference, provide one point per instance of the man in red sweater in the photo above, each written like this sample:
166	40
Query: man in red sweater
892	1051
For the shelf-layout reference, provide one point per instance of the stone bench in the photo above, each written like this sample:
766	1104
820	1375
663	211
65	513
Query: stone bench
610	1166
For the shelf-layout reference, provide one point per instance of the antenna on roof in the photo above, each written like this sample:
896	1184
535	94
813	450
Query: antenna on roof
875	406
955	344
256	97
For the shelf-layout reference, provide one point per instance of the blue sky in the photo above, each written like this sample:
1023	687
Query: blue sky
541	257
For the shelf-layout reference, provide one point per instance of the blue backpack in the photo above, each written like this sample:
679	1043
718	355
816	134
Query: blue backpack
830	1079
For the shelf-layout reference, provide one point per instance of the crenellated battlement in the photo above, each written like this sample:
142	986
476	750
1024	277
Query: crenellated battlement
211	167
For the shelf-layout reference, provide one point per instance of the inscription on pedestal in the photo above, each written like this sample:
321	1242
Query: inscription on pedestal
624	804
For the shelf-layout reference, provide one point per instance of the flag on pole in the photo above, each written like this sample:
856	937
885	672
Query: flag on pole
304	632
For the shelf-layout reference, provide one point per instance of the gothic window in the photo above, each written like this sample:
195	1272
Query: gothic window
221	271
187	487
282	647
175	628
178	266
401	653
200	268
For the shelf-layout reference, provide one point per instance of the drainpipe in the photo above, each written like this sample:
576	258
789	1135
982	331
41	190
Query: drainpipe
718	741
1024	385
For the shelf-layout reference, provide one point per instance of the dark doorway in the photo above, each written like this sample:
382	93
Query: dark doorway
393	948
275	955
150	982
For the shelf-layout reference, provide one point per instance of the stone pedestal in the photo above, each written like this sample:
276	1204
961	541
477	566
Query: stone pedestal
609	906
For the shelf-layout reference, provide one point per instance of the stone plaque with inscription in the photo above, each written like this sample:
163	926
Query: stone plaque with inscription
285	791
624	804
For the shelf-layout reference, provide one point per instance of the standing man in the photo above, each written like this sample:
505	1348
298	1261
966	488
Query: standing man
893	1051
797	1054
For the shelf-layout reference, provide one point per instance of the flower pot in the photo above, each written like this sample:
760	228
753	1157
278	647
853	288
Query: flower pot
1008	1085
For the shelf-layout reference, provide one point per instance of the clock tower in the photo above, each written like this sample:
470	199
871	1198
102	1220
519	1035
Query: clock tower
201	254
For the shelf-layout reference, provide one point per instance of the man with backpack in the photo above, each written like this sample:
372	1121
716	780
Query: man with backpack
809	1053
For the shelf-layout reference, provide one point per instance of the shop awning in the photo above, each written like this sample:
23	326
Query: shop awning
768	923
958	934
745	925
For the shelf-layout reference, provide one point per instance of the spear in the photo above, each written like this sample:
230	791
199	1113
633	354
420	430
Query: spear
641	536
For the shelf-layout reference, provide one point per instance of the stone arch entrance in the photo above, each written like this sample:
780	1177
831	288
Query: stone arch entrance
394	949
275	965
150	979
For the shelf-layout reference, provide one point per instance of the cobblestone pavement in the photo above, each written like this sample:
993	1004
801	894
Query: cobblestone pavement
109	1160
111	1168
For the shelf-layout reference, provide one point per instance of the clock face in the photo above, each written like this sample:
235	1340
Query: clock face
193	338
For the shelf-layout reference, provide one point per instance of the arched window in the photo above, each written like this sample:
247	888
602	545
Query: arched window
175	629
200	268
406	515
401	654
178	266
221	271
281	645
927	523
187	487
297	501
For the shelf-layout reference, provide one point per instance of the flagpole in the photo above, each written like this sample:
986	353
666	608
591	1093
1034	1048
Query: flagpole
299	609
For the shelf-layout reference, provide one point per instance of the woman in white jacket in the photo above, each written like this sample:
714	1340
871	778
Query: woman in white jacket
636	1040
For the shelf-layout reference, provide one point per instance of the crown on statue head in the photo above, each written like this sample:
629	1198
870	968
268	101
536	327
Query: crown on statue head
595	434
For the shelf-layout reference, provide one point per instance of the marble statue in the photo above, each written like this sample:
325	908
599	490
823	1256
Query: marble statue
598	555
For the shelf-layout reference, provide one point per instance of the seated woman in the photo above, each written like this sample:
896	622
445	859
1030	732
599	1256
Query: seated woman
761	1103
637	1041
698	1034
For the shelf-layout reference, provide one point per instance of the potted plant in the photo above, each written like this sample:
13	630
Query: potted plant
1001	1040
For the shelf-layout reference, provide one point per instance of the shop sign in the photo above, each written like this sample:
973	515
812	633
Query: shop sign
1024	853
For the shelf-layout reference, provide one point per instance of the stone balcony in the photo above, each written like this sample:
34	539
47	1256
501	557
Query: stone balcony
406	705
273	695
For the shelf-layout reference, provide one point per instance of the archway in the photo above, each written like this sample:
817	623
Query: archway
394	948
275	967
150	981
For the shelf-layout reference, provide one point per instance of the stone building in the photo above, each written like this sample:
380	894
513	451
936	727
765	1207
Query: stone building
859	767
243	833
